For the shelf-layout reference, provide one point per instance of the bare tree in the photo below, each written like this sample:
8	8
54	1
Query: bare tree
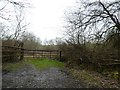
95	22
31	42
5	3
75	34
12	12
98	18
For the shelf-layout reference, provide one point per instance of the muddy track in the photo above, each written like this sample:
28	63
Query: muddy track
30	77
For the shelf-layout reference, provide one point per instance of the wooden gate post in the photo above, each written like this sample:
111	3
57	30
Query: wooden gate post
50	55
22	52
118	59
33	54
60	55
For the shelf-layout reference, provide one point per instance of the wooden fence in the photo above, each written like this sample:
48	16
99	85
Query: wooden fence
14	54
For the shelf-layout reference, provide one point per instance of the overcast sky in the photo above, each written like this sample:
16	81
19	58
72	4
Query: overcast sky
47	16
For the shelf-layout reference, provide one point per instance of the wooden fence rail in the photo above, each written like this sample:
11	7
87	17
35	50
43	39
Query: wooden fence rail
14	53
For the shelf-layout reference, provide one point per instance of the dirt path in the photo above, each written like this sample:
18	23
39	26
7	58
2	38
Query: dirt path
30	77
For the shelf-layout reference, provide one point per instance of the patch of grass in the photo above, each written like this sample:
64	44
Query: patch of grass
38	63
45	63
12	66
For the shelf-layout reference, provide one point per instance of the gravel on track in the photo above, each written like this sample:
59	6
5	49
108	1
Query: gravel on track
30	77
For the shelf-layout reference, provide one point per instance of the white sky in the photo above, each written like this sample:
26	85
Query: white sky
47	16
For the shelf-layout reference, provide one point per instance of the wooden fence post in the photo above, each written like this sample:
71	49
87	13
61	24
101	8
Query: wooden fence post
118	59
50	54
33	54
22	52
60	55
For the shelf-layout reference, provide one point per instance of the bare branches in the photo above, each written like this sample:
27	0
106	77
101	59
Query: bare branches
16	26
96	16
108	13
18	3
3	7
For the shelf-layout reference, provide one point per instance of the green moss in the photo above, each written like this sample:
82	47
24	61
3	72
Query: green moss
115	75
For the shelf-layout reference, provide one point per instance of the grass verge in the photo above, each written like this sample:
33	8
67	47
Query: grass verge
13	66
93	79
